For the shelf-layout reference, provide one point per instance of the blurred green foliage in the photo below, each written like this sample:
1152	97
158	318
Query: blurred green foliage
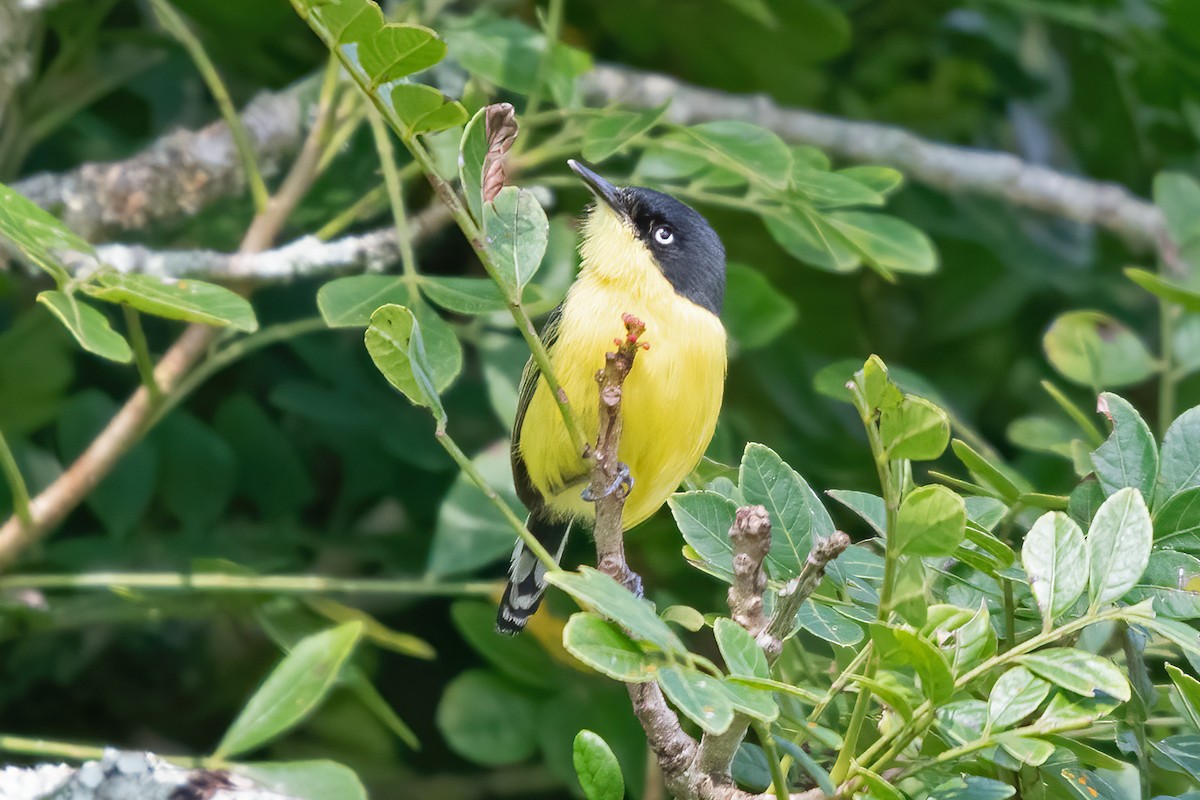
299	458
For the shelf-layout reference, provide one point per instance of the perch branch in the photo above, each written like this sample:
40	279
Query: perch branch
58	499
675	751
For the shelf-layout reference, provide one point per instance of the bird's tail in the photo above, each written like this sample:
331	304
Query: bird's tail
527	575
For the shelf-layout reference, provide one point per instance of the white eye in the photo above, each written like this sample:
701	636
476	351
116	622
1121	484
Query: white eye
663	234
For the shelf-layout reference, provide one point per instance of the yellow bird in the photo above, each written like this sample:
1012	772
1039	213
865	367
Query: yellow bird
644	253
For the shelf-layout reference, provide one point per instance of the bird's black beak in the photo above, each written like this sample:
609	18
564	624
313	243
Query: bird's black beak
611	195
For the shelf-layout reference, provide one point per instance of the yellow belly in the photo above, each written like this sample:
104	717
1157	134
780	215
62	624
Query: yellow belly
670	401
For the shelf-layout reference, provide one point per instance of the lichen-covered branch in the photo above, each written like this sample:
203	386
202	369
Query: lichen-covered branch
179	174
307	256
946	167
130	776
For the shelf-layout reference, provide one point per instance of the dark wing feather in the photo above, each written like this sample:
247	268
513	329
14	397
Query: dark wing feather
528	493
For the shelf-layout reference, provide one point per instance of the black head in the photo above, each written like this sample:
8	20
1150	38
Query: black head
686	248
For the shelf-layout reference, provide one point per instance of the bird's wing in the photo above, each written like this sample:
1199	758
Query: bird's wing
528	493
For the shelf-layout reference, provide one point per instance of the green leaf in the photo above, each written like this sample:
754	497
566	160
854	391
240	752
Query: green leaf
825	623
902	646
292	690
1171	579
1095	350
373	630
423	109
1178	195
270	473
1067	709
1167	290
39	235
608	133
463	295
990	475
701	698
396	50
197	470
188	300
1118	545
349	302
797	516
1043	434
597	590
886	243
604	647
1180	468
1078	671
394	341
1179	753
89	327
832	190
685	617
755	152
37	366
755	312
346	21
880	789
1188	689
516	232
1177	522
809	237
470	532
1055	559
306	780
704	519
753	701
882	180
1015	695
932	522
1129	457
487	720
915	429
508	53
740	650
868	506
598	770
1026	749
121	498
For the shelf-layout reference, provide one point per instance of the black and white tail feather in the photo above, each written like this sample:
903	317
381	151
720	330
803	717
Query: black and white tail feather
527	575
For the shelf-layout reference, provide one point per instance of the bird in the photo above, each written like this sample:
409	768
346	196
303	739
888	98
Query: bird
644	253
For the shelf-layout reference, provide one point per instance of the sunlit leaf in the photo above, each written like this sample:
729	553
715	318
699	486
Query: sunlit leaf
189	300
292	690
1129	457
516	231
597	768
1095	350
797	516
604	595
1055	562
701	698
89	327
604	647
1078	671
1118	546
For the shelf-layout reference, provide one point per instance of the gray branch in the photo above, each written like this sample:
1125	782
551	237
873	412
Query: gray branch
188	170
307	256
952	169
176	176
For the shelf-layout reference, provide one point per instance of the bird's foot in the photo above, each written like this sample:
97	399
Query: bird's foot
623	481
633	582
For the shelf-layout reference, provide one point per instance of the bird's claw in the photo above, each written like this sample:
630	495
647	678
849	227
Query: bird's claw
633	582
623	481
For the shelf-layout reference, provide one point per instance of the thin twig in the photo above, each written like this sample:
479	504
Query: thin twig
268	584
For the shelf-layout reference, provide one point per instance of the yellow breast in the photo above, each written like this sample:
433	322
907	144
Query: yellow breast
671	398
